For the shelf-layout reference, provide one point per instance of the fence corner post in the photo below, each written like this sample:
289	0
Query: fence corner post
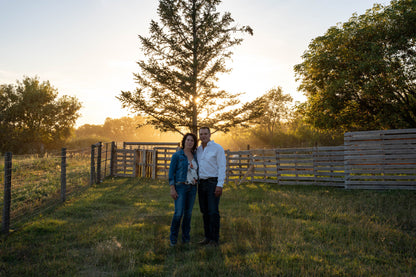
5	228
63	174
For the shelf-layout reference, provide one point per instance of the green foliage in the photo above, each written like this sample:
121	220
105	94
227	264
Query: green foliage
361	74
33	119
185	52
121	228
276	110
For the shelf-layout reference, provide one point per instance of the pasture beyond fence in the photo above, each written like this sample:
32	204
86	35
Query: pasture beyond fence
367	160
32	184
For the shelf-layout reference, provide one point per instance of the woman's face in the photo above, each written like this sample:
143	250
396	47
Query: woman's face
189	142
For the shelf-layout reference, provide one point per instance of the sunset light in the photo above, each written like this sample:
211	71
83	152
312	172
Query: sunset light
89	49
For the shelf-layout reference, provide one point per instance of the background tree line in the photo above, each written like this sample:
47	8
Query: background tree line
361	74
279	126
119	130
32	117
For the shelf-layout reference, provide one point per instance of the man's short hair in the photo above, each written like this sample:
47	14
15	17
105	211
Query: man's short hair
207	128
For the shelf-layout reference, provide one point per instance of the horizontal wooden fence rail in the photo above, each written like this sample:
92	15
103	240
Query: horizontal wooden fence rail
148	145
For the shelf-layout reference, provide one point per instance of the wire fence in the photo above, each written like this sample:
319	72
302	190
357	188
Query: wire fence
33	184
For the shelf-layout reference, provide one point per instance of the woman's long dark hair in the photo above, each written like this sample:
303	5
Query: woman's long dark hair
195	141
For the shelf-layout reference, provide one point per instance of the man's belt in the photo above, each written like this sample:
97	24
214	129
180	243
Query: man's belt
209	179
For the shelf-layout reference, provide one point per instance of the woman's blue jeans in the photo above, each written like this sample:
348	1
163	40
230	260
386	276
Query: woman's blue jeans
183	208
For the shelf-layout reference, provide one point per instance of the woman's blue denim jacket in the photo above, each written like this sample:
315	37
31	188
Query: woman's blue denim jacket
178	169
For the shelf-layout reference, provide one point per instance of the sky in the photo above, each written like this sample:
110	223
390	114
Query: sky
89	48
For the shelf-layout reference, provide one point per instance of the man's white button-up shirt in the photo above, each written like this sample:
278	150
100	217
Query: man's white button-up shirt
212	162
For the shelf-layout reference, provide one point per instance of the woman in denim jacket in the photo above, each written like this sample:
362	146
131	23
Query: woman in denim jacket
183	179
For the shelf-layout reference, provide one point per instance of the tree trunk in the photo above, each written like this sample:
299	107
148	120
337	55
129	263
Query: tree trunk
194	128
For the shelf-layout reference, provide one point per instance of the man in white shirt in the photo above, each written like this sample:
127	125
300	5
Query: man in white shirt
212	163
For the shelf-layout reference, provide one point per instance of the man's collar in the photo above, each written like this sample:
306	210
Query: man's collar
210	142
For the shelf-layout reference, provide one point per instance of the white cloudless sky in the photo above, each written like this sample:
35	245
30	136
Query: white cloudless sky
89	48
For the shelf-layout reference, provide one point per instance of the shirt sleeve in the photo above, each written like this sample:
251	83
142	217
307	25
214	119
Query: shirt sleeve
172	169
222	163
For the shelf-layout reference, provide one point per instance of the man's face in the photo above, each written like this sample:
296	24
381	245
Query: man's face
204	136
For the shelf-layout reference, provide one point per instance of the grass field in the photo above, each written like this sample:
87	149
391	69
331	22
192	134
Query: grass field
121	227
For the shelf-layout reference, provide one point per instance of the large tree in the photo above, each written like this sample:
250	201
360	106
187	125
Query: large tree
32	118
185	53
276	111
361	74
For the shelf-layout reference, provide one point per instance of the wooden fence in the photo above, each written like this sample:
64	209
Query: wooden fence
367	160
380	159
292	166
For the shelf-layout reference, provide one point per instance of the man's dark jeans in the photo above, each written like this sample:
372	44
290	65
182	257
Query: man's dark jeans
208	205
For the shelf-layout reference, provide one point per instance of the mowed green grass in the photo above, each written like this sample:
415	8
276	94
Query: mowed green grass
121	228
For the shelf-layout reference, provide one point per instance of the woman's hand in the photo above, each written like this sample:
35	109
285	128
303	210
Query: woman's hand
173	193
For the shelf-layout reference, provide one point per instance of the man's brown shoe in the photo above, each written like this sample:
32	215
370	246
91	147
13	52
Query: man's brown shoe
205	241
213	243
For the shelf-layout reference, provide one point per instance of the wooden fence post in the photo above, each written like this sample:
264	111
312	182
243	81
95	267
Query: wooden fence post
240	174
92	174
7	192
99	150
63	174
105	160
277	165
154	172
251	163
144	161
136	167
113	159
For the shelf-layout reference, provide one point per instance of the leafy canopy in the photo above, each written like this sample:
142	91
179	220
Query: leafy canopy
361	74
32	118
185	52
276	111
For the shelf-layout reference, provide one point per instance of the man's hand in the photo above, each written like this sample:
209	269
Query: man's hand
218	191
173	193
